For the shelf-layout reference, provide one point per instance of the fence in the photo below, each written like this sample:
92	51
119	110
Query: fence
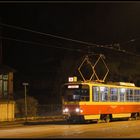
47	110
39	110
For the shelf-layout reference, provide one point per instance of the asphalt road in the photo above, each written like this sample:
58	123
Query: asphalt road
115	129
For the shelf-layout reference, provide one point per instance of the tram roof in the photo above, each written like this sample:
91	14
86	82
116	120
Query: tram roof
118	84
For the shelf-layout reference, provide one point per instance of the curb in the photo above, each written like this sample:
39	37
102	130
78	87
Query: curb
31	120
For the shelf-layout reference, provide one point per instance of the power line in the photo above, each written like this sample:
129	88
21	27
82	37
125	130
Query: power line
127	52
46	34
40	44
110	47
60	37
57	47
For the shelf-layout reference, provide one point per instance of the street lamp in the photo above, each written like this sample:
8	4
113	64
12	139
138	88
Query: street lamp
25	84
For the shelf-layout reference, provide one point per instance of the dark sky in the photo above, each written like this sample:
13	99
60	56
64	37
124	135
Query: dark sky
99	23
93	22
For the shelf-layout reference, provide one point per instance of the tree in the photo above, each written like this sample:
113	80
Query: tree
67	68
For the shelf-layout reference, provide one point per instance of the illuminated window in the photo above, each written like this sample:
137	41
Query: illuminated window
0	87
137	95
129	95
95	94
103	94
76	93
5	88
4	85
122	92
113	94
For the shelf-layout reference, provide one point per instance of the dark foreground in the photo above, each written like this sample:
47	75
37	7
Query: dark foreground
60	129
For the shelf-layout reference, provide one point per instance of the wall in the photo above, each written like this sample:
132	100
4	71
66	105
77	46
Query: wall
7	111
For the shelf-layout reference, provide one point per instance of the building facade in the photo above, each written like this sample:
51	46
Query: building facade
7	103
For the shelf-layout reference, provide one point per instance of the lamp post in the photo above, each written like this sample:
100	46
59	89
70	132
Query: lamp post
25	84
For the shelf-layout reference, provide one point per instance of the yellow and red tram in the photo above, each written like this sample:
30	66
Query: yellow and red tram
91	100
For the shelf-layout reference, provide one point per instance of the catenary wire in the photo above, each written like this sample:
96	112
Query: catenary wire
69	39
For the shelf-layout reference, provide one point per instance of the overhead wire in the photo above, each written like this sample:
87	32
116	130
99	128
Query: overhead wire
110	47
40	44
46	34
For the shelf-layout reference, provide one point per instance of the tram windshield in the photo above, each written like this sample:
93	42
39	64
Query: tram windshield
76	92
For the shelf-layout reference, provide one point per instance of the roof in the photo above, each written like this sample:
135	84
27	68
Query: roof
6	69
117	84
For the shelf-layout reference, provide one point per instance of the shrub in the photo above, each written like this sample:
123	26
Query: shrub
32	105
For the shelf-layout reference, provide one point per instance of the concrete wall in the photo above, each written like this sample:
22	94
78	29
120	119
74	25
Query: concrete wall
7	111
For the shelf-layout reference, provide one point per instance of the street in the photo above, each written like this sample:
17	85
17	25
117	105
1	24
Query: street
115	129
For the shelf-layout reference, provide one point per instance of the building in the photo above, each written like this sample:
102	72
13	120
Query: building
7	103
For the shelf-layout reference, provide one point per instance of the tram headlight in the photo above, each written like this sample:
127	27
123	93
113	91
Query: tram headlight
65	110
78	110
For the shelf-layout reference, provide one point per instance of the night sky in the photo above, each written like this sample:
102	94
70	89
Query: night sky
98	23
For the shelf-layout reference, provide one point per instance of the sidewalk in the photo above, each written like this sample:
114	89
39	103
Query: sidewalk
31	121
11	124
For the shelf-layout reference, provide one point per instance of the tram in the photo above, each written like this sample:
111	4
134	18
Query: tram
94	100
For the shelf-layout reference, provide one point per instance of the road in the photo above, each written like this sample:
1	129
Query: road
116	129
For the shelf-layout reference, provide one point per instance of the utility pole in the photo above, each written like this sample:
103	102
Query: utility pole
25	89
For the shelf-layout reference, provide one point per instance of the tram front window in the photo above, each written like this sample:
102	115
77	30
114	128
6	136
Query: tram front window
76	93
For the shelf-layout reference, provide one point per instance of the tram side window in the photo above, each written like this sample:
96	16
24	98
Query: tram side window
113	94
129	94
103	94
95	94
122	94
137	95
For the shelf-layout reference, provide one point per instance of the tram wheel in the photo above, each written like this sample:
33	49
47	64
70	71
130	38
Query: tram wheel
129	119
134	116
137	116
99	121
107	119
